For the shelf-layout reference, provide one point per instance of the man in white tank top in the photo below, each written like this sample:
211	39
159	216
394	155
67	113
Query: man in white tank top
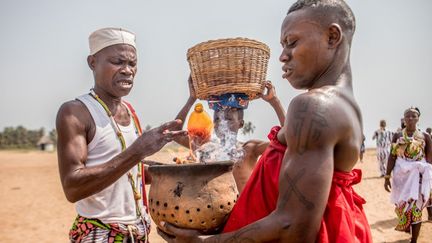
100	146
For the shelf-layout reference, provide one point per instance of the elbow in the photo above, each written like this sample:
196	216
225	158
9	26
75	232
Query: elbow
71	198
70	191
306	232
70	195
302	231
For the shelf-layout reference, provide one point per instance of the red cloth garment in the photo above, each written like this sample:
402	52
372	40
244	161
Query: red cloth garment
259	196
344	219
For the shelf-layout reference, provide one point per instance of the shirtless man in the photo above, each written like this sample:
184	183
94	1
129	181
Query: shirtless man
233	117
323	132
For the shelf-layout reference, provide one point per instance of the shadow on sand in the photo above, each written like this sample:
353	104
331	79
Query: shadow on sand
385	224
388	224
397	241
373	178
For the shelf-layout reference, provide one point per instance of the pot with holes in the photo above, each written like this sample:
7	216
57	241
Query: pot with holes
196	196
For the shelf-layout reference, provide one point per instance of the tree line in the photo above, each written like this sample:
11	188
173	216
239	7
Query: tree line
22	138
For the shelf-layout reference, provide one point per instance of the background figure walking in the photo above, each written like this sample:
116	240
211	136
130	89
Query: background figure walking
362	148
383	141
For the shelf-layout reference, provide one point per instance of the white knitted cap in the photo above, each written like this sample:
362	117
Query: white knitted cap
110	36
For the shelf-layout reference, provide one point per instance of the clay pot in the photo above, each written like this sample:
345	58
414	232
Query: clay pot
195	196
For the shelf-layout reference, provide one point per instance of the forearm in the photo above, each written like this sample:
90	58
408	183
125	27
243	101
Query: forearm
390	164
274	227
184	140
85	181
185	110
260	231
278	108
428	148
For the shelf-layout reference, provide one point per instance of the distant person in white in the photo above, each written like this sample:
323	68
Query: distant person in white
383	142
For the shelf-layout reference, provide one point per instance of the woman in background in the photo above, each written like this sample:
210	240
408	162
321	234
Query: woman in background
411	184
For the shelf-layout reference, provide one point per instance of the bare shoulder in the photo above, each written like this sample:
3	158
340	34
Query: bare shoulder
73	113
250	144
310	120
72	107
426	136
254	148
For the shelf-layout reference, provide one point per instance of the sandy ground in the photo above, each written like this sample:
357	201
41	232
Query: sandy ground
34	209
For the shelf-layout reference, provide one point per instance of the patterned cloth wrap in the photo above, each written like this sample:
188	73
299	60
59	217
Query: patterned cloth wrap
234	100
408	213
410	148
93	230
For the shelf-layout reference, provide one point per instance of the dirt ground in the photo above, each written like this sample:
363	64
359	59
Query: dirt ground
34	208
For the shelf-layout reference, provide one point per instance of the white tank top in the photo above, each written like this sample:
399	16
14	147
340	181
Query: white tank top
114	204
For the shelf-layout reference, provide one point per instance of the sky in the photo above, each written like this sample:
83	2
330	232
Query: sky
44	46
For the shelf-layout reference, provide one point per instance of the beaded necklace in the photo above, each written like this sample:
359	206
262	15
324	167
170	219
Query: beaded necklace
115	126
411	148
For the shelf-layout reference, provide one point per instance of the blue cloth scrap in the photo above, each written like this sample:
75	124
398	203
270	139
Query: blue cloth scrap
230	100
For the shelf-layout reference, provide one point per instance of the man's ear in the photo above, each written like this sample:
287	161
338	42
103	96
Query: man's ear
334	35
91	61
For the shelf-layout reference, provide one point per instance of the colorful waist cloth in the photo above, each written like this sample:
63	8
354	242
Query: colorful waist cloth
259	196
93	230
344	219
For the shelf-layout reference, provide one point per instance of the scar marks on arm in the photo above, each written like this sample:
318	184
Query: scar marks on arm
308	125
292	189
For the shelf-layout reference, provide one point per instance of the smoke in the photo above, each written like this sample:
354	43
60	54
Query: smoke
222	147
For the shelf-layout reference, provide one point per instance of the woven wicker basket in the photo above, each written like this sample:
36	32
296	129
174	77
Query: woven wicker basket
237	65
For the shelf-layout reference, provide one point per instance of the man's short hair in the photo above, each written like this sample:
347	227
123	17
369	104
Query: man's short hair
335	10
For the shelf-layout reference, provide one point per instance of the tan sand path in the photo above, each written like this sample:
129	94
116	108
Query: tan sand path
34	209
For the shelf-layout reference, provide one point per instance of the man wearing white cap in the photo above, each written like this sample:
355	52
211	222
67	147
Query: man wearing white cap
101	146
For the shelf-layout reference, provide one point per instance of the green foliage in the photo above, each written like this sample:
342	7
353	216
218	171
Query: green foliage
248	128
20	138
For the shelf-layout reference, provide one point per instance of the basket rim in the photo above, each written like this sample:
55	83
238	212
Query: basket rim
228	42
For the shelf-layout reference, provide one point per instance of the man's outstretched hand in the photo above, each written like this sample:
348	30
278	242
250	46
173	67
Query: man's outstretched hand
153	140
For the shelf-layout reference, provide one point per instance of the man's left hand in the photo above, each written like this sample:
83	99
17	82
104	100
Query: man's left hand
173	234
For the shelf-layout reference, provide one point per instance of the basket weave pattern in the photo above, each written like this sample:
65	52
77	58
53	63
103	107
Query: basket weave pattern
222	66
